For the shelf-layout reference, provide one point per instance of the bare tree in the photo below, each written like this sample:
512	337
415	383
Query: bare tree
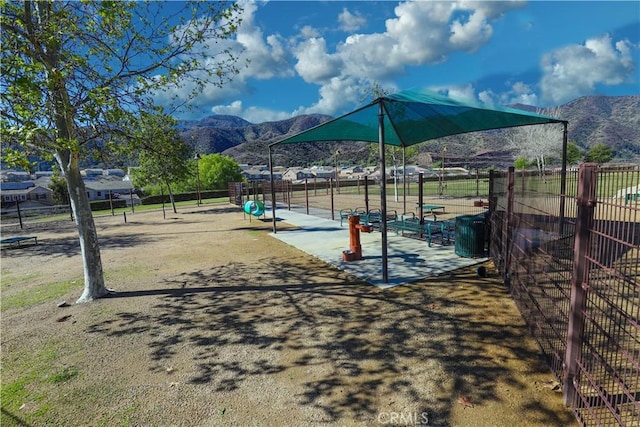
537	143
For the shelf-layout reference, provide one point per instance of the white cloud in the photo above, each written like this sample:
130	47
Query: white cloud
518	93
259	57
462	93
308	32
576	70
487	97
350	22
473	33
251	114
233	109
420	33
314	64
334	95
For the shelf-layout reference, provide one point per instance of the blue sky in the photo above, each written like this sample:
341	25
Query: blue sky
321	56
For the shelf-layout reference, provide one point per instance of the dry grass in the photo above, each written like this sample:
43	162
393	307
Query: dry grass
217	323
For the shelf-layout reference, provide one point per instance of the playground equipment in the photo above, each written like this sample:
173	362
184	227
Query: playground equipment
355	249
254	207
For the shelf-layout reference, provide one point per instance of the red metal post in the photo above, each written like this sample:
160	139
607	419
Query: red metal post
354	236
587	177
506	229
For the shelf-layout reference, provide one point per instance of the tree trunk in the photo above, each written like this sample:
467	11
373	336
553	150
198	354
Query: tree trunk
94	286
395	182
173	202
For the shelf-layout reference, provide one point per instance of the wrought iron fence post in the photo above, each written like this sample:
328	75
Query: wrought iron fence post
19	214
587	177
333	215
366	192
506	229
306	194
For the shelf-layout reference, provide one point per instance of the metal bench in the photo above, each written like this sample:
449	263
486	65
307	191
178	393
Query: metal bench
11	241
430	208
344	215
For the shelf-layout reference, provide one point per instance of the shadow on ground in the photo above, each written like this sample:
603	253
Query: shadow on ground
416	346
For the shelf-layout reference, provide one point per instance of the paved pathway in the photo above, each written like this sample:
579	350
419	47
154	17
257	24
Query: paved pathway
408	260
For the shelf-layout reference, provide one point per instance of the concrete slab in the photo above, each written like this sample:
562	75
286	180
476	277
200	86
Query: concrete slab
408	260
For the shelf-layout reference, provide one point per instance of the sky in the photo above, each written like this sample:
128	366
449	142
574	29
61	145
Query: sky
323	57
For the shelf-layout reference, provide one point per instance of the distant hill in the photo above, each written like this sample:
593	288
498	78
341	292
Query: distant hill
614	120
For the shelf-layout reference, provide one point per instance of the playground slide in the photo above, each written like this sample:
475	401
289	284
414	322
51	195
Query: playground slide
254	207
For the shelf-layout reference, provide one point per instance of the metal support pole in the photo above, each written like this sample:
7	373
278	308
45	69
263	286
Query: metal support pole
337	174
420	201
587	177
404	179
333	215
563	179
493	202
273	191
383	194
306	194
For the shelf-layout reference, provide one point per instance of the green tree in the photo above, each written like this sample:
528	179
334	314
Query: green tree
599	153
71	71
217	170
521	163
163	157
574	153
58	187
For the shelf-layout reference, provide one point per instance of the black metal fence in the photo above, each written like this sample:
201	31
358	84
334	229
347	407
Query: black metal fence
568	248
460	195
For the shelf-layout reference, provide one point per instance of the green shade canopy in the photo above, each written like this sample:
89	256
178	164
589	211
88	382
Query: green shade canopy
413	116
407	118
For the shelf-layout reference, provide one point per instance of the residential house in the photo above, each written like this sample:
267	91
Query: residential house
253	174
14	176
102	189
25	192
323	172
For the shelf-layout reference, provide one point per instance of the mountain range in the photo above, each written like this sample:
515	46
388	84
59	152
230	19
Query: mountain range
613	120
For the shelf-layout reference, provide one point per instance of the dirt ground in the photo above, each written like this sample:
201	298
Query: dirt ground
216	323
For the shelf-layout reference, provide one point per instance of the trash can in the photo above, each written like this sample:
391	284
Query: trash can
470	236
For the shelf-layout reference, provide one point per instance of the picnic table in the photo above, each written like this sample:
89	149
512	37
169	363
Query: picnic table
430	208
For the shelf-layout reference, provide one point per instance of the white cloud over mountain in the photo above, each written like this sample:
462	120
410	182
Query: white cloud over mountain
578	68
419	33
